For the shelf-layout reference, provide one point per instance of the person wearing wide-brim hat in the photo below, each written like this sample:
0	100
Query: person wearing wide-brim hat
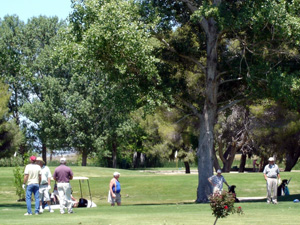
45	185
217	182
271	173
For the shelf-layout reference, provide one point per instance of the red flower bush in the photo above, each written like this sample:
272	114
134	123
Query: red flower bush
223	204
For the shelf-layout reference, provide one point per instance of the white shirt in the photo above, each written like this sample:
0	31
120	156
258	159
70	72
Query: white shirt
46	173
271	171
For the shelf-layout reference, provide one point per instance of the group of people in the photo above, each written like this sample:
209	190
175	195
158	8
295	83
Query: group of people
271	175
37	176
37	181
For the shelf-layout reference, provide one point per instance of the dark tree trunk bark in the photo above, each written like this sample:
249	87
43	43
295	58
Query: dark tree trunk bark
243	163
44	153
291	160
187	167
84	158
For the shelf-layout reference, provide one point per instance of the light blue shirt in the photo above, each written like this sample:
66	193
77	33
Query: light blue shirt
271	171
218	181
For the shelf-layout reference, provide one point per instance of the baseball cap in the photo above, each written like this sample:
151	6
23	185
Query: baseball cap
271	159
219	171
32	158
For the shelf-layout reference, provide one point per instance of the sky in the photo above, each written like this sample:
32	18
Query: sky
26	9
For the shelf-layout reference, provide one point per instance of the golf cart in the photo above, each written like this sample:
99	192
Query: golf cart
82	202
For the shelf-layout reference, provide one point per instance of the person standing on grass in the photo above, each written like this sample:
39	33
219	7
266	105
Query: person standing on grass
45	185
271	173
217	182
62	175
32	177
114	190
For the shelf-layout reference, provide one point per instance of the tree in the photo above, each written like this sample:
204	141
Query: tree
226	56
97	78
10	134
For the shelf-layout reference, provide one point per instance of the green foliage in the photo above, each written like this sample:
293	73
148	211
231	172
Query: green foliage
222	205
10	134
11	162
18	181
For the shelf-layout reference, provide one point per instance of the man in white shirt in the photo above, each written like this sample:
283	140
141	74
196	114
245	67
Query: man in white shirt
45	185
271	173
32	177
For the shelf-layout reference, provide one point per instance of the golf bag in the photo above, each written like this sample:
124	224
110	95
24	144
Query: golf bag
232	190
283	188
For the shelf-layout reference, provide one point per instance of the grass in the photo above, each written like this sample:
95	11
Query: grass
154	198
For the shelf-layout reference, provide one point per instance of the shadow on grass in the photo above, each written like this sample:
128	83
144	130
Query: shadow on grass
14	205
288	198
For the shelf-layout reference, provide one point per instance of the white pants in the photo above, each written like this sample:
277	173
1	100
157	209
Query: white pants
272	188
64	192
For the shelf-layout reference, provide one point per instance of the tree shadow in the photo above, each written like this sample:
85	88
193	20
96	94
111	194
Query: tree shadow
13	205
286	198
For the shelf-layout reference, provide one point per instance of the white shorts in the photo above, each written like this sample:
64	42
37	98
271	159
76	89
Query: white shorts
44	192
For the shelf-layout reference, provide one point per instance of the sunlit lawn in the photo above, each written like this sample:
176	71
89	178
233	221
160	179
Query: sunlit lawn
153	198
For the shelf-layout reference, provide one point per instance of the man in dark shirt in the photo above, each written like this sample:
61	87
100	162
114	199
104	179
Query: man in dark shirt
62	175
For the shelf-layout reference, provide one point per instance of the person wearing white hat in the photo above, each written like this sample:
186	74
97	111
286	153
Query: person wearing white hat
62	175
271	173
217	182
45	185
114	195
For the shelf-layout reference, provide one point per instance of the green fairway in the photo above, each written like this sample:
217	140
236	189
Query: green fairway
155	198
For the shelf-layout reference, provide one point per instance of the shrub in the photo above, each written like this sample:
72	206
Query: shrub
18	181
222	204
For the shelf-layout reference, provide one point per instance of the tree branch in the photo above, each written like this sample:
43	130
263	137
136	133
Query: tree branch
230	80
192	59
229	105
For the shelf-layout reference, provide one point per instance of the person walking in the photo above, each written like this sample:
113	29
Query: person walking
271	173
62	175
114	193
217	182
45	185
32	177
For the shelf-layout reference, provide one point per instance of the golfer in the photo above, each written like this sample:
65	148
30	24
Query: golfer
32	177
45	185
217	182
62	175
114	190
271	173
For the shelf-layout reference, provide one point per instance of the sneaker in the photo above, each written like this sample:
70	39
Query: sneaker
275	202
51	210
62	212
41	211
27	214
36	214
70	212
268	202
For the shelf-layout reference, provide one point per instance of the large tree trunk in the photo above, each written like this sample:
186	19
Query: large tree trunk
84	158
207	121
242	163
187	167
291	159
